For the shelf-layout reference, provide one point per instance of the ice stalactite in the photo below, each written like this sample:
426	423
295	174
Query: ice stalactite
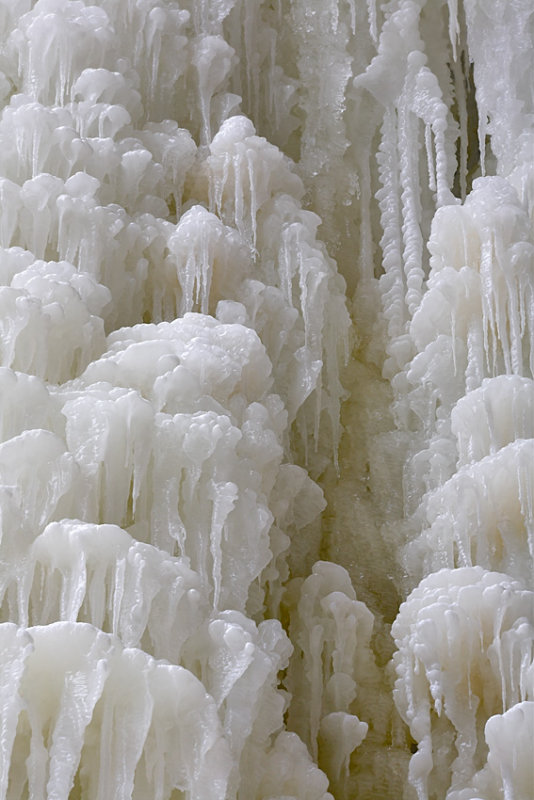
331	631
415	157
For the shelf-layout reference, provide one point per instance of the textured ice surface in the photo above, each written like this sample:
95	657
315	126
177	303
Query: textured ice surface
193	195
465	652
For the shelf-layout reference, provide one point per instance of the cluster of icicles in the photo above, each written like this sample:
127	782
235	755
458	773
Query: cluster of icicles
167	316
172	340
461	362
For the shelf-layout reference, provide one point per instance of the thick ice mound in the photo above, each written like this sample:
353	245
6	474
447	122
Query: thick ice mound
465	643
79	701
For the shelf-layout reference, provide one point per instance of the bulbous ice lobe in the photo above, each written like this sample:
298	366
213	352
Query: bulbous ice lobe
84	702
465	643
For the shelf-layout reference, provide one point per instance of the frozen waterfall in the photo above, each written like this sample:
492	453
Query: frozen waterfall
266	400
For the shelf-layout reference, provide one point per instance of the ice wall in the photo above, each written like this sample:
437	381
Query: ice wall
266	399
171	324
460	359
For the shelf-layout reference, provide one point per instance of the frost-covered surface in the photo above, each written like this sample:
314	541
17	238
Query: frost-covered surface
234	562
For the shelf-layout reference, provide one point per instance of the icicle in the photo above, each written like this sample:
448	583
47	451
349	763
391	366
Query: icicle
16	647
460	91
10	197
392	282
332	630
212	59
454	26
340	734
240	660
205	254
245	171
224	497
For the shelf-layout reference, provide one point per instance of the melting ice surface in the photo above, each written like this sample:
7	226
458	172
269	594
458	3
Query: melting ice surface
236	563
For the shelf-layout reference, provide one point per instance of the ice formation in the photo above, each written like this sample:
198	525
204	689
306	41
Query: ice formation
465	653
266	400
